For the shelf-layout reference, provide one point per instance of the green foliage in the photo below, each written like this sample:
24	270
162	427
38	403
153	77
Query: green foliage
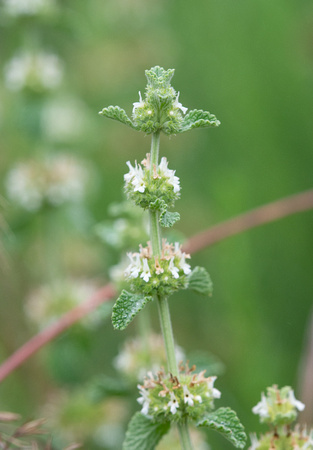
226	422
106	386
117	113
159	78
198	119
127	306
168	219
200	281
143	433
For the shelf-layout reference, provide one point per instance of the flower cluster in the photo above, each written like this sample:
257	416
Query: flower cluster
170	398
279	406
35	71
162	274
284	439
46	304
53	181
151	189
161	109
137	357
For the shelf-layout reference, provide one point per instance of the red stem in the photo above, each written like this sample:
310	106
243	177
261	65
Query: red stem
47	335
259	216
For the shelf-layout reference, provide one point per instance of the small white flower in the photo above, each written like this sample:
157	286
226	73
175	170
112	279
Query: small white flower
215	392
261	408
134	267
143	400
132	172
198	398
146	274
174	181
296	403
173	269
178	105
188	397
173	403
254	442
183	265
139	104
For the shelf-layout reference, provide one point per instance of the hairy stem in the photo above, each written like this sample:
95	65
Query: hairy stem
184	435
164	312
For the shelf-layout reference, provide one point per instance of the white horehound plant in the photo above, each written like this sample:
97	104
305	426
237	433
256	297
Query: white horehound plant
160	268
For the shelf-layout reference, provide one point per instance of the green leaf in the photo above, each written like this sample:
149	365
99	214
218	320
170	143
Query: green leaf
143	434
168	219
198	119
200	281
127	306
117	113
226	422
159	77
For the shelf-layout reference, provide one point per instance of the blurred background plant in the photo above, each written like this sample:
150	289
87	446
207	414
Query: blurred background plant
62	167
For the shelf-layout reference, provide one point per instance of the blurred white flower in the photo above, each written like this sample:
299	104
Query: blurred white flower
47	304
55	180
38	71
26	7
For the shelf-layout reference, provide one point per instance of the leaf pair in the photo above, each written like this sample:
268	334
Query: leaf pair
144	434
128	305
194	119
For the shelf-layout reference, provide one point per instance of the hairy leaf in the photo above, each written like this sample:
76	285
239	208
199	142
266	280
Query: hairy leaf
169	218
117	113
198	119
200	281
143	434
127	306
226	422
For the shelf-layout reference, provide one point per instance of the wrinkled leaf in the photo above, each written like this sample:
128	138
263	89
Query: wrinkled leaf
200	281
117	113
143	434
198	119
169	218
226	422
127	306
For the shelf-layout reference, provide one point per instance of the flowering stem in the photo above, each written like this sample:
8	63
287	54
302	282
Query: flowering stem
164	312
184	435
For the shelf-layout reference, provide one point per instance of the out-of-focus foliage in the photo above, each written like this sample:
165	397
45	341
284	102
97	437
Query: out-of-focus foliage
251	63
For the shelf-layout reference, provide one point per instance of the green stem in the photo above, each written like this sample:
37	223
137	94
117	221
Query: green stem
167	331
184	435
164	312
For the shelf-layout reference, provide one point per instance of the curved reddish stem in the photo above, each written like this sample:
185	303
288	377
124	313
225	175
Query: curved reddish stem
254	218
47	335
259	216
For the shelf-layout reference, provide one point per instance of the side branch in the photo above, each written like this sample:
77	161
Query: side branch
47	335
259	216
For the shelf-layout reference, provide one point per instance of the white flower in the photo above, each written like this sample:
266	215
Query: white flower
198	398
143	400
215	392
173	403
254	442
169	174
36	70
134	267
135	176
139	104
174	181
261	408
183	265
296	403
188	397
178	105
173	269
146	274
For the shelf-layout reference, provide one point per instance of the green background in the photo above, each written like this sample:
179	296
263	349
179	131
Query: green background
251	64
